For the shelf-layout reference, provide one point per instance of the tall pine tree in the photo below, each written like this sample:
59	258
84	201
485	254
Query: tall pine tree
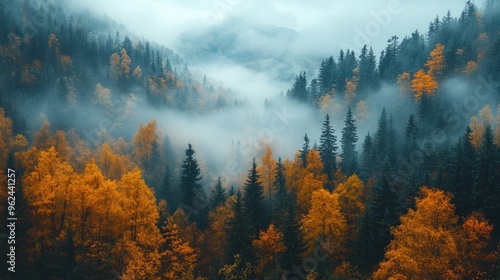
349	138
253	200
328	148
304	151
190	177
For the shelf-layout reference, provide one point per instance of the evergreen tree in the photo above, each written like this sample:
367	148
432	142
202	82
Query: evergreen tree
411	136
292	236
328	148
368	157
325	76
253	200
190	176
239	233
461	178
349	138
299	88
380	215
304	151
487	180
279	185
218	194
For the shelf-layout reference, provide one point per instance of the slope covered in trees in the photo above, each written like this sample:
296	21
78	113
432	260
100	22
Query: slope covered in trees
418	199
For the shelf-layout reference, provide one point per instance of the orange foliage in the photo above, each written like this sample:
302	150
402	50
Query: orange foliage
423	83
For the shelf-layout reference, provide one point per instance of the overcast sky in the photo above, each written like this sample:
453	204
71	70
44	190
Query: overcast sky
325	25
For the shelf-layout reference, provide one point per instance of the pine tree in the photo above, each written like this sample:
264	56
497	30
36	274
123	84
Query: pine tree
328	148
190	176
411	136
239	232
368	157
218	194
486	179
253	199
304	151
349	138
380	215
292	235
461	179
279	185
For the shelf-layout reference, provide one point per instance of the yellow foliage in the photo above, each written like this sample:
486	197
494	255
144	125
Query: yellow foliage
351	194
137	73
267	171
125	63
269	246
178	258
103	96
361	111
424	245
66	62
470	68
423	83
114	63
476	136
143	142
324	222
404	84
436	61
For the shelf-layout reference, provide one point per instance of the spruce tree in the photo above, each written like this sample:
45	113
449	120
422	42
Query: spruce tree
292	235
367	158
190	177
460	181
487	180
304	151
218	194
380	215
349	138
253	199
328	148
239	233
279	185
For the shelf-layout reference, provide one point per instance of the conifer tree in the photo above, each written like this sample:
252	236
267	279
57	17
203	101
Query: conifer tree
349	138
253	199
304	151
190	177
328	148
218	194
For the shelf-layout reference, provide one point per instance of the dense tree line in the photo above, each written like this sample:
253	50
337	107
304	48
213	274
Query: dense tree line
405	203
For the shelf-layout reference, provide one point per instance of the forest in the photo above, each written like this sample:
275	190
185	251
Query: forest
397	176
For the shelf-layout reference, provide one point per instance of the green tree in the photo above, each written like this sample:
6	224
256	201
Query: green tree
349	138
328	148
190	177
253	199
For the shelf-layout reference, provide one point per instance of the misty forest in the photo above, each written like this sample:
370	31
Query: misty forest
133	161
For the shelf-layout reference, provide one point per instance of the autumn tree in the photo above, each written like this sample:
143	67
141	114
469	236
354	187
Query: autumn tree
351	196
423	83
142	235
435	63
311	179
269	247
178	258
324	222
267	172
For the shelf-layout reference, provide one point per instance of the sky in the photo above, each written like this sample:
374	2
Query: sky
325	26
